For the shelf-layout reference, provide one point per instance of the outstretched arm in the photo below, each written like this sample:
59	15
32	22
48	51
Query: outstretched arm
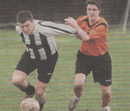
71	21
59	28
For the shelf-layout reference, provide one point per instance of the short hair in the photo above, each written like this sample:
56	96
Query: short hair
95	2
23	16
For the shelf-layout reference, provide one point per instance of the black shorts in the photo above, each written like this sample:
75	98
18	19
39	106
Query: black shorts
99	65
44	68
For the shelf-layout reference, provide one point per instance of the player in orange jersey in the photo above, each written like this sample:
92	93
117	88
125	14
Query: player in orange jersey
93	54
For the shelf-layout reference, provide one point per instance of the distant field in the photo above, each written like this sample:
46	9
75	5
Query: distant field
59	91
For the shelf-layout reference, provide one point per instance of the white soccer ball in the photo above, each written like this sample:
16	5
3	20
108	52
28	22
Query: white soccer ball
30	104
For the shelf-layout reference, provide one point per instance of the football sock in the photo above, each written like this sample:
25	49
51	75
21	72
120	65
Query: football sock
105	100
76	97
41	105
29	90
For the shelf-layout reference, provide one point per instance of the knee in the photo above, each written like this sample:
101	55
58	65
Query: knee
39	91
17	81
78	87
106	93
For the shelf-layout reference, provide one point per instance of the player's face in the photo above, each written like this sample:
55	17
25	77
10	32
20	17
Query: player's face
27	27
92	12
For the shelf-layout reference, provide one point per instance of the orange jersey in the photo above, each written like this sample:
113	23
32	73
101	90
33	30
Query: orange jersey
97	45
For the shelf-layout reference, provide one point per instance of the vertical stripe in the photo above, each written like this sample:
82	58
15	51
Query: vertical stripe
32	55
42	53
22	36
33	45
52	44
32	40
27	40
37	38
39	46
45	45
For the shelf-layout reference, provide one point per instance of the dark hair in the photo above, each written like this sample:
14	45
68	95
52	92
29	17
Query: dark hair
95	2
23	16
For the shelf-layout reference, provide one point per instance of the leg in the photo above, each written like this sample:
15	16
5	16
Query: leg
40	93
106	95
45	71
19	80
82	69
78	88
79	84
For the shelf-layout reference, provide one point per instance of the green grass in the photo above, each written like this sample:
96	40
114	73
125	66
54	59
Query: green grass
59	91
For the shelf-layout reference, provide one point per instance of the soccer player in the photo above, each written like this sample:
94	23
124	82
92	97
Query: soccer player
41	53
93	54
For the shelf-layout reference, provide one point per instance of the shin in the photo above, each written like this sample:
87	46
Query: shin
106	96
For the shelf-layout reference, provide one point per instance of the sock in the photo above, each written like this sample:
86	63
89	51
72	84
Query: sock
105	100
41	105
77	97
29	90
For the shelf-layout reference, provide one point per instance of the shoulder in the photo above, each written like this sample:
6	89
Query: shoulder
40	25
82	18
102	24
18	29
41	22
44	27
103	20
45	23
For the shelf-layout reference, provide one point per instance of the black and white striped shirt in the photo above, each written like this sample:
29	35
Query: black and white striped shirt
41	43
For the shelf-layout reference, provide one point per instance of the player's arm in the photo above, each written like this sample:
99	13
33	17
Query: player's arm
83	35
58	28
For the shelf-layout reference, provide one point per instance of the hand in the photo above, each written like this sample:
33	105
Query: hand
71	21
56	35
78	37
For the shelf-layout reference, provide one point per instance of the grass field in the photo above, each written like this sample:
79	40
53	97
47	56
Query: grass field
59	91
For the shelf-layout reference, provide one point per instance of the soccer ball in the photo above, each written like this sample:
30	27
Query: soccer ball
29	104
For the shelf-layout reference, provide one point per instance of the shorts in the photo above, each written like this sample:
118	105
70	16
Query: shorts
99	65
44	68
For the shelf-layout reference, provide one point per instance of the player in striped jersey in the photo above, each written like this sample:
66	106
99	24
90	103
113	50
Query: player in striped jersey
93	54
41	54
